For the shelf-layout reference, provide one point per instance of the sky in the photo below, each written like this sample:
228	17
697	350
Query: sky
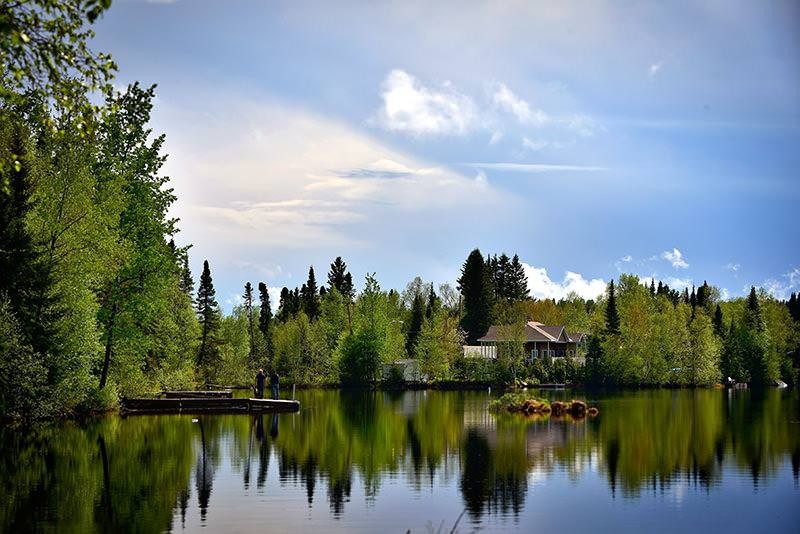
590	138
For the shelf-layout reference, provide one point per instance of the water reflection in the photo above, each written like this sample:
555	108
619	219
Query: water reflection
143	473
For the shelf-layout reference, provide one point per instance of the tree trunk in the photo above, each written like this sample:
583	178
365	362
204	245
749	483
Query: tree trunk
109	347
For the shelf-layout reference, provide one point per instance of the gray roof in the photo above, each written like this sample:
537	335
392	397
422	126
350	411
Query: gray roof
533	332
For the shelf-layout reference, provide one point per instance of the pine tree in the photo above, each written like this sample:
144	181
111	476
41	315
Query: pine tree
251	332
476	288
265	317
415	323
704	295
209	316
686	295
660	290
693	300
719	327
612	316
186	281
653	287
310	298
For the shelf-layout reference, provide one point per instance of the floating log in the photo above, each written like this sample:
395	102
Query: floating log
198	394
207	405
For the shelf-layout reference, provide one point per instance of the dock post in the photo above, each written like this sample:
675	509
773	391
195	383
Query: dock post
293	391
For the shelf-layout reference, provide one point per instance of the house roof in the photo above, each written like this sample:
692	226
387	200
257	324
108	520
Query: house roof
576	337
533	332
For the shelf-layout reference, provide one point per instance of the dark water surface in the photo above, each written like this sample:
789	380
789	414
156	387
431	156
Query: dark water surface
387	462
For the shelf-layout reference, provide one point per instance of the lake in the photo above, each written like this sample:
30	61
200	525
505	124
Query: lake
653	460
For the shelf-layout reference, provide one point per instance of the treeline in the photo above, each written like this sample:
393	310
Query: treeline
95	297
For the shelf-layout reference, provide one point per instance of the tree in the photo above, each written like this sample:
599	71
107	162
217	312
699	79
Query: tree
141	265
517	281
653	287
415	323
265	318
209	317
310	297
339	278
25	278
432	304
251	332
612	315
476	288
719	327
753	317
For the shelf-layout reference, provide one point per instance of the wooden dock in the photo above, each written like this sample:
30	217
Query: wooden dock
198	394
206	405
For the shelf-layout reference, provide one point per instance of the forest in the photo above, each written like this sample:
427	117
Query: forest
98	301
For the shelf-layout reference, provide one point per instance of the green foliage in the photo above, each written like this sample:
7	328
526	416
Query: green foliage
22	375
209	317
612	316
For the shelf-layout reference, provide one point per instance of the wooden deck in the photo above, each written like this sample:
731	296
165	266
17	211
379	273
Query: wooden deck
207	405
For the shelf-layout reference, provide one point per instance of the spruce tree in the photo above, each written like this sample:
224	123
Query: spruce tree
415	324
209	316
660	290
310	299
431	305
612	316
251	332
186	281
476	288
794	307
265	318
652	287
284	305
753	317
517	280
339	278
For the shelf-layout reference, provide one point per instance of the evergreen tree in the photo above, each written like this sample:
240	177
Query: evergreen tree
432	302
693	300
251	331
719	327
794	307
517	280
753	317
284	305
265	317
476	288
186	281
704	295
660	290
24	274
209	316
686	295
339	278
612	315
653	287
310	297
415	323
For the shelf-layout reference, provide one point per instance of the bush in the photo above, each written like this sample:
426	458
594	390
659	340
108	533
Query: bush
360	358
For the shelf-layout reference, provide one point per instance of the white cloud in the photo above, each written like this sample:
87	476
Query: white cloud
263	175
783	287
496	137
678	283
409	106
653	69
542	286
534	144
624	259
533	167
732	267
675	257
583	125
505	100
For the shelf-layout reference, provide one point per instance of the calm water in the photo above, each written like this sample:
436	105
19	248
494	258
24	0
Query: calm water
385	462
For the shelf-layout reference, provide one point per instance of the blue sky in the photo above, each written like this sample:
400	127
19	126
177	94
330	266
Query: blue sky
590	138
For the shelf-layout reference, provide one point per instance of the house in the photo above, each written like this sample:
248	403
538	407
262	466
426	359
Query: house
540	341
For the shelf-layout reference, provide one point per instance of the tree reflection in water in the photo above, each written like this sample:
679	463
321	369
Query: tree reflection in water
115	474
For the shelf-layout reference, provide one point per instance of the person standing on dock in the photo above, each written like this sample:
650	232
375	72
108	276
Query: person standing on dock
275	383
260	377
